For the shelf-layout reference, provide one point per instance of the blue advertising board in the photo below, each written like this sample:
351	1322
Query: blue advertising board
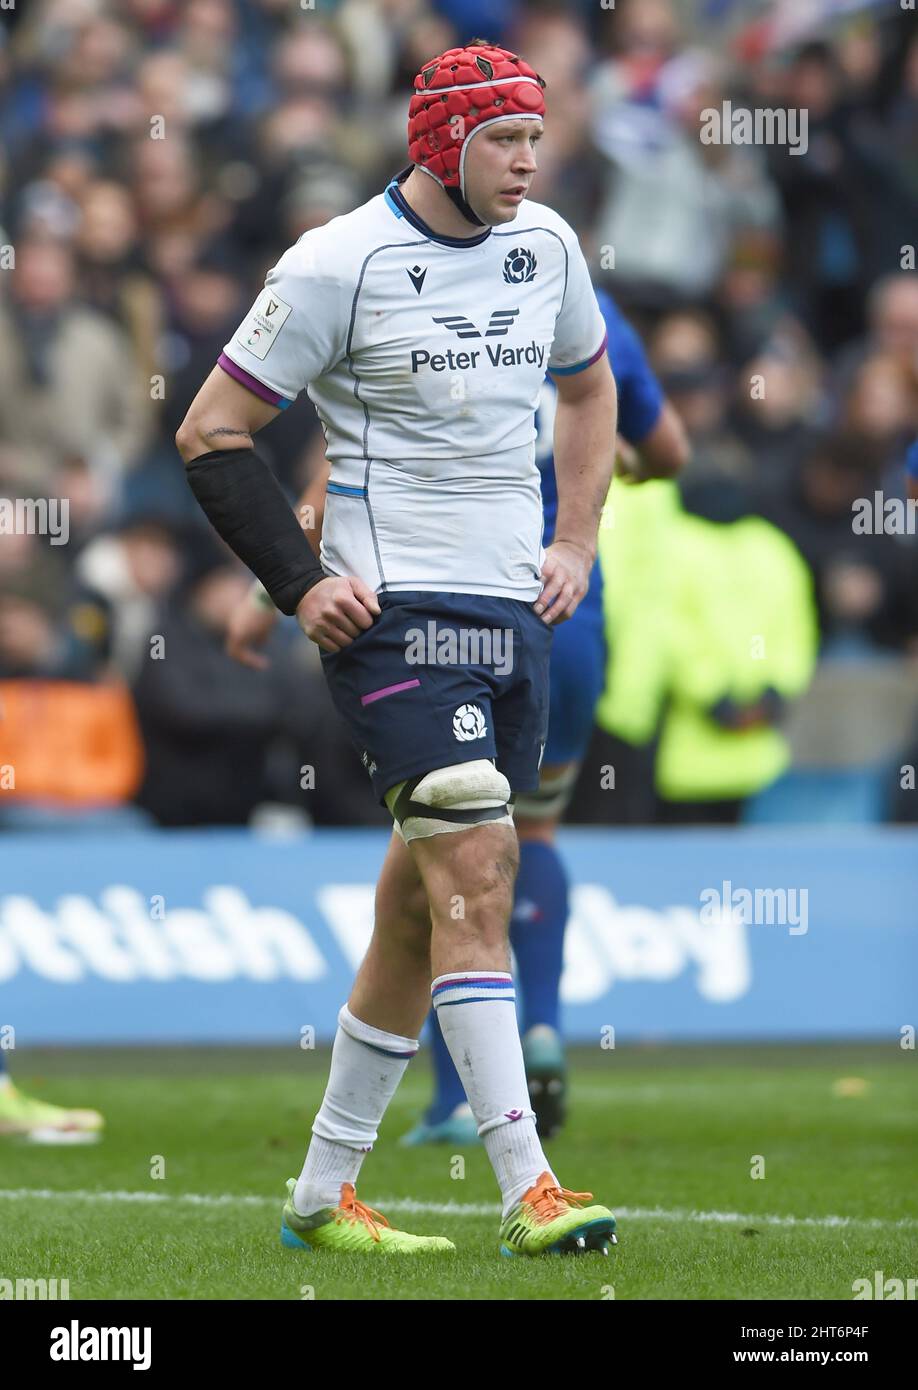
229	937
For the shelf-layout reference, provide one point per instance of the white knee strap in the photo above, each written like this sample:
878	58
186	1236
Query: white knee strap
449	799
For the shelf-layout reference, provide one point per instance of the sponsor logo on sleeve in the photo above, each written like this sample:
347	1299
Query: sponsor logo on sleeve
259	332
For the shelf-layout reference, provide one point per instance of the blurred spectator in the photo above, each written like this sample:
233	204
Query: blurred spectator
569	178
892	327
685	354
821	186
177	214
673	203
866	582
779	404
883	403
205	307
33	575
121	578
109	270
743	645
206	720
67	380
320	192
749	298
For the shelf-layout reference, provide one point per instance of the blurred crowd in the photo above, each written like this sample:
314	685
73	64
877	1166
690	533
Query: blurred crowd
160	155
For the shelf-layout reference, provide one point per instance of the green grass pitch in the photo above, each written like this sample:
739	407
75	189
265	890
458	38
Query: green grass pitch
668	1137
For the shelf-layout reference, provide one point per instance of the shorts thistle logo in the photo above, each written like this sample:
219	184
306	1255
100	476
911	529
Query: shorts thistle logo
469	723
519	266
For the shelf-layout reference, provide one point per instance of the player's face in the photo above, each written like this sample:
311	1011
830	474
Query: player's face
500	167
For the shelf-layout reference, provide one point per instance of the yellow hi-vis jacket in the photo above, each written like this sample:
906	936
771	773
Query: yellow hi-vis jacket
729	611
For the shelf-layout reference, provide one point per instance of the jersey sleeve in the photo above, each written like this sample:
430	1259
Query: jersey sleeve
580	330
297	328
640	395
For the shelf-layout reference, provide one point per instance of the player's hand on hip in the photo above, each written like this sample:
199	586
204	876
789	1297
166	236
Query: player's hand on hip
335	611
566	575
250	626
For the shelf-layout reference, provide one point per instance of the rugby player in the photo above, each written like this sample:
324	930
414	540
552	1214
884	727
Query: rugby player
421	325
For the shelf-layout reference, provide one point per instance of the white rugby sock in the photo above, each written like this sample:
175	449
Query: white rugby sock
476	1010
367	1065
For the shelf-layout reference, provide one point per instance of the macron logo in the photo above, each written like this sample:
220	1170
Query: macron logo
75	1343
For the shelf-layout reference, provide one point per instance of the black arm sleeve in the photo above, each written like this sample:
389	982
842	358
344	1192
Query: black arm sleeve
246	506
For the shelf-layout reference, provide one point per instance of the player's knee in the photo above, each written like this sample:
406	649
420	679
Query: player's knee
449	799
547	804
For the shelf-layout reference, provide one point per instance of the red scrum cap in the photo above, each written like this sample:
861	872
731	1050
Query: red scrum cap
461	92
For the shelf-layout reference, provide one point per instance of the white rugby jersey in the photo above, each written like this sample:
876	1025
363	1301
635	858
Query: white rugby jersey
424	356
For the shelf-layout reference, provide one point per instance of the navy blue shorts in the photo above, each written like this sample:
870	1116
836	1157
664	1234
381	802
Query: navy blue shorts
445	678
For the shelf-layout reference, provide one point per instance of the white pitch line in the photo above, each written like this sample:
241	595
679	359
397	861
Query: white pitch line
408	1204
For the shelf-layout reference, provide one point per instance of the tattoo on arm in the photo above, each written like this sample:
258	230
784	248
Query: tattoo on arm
228	430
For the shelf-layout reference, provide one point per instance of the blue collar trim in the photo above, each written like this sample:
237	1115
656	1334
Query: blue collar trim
402	208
